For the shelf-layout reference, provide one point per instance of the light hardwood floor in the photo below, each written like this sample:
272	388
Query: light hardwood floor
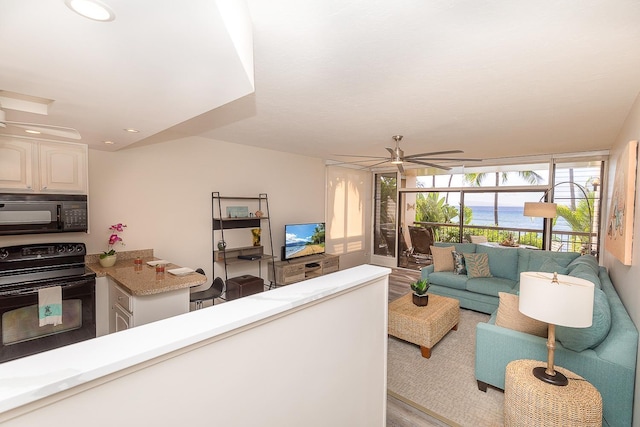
399	414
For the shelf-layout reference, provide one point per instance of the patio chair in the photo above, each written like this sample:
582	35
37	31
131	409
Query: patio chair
421	241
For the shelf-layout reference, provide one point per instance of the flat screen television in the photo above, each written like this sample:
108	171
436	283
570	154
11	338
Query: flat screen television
303	239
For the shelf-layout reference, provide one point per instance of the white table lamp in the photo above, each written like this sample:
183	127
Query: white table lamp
557	300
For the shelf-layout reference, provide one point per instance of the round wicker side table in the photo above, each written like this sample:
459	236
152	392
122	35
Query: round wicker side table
529	401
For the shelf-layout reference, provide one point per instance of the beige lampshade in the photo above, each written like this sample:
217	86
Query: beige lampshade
540	209
567	302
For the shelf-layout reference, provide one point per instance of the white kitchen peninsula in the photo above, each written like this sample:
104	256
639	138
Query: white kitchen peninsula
137	295
321	344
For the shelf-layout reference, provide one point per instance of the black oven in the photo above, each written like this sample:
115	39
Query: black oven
26	269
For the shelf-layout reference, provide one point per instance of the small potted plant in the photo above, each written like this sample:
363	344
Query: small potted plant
108	258
420	288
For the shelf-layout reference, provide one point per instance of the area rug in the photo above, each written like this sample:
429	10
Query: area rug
444	386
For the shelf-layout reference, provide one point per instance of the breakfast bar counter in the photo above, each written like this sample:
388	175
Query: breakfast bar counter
142	279
131	293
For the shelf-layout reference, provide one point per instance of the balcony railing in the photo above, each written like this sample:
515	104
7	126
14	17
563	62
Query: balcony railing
561	241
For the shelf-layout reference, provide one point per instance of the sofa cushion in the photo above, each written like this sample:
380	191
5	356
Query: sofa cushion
448	279
509	316
458	263
490	285
503	262
579	339
588	260
551	266
477	265
459	247
537	258
442	258
584	271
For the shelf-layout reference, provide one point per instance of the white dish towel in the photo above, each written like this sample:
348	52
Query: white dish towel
50	306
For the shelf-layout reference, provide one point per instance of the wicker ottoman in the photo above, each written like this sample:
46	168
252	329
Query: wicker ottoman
424	326
531	402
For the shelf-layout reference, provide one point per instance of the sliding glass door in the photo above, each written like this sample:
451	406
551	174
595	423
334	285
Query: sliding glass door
385	211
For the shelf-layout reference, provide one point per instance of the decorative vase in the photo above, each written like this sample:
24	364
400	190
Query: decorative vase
255	232
221	245
421	300
108	261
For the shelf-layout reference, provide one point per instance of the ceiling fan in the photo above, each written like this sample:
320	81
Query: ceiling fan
426	159
37	128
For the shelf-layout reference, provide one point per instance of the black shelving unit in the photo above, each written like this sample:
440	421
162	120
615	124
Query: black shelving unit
228	257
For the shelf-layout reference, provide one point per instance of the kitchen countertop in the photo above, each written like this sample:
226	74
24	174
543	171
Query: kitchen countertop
141	280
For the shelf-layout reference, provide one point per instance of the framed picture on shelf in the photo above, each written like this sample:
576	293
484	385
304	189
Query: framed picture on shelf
237	212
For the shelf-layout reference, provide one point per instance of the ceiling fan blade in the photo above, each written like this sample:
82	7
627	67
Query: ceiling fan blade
434	153
353	155
379	163
433	165
400	168
454	159
361	161
61	131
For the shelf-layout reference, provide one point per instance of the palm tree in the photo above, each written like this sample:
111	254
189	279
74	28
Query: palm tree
579	215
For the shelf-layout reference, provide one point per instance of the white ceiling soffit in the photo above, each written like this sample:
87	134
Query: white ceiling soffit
494	78
157	64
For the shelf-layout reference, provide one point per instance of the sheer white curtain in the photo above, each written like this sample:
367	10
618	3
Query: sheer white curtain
348	215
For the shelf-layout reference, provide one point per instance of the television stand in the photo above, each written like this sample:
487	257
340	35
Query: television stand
299	269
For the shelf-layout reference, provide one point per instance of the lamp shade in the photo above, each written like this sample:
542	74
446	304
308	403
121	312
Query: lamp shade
565	302
540	209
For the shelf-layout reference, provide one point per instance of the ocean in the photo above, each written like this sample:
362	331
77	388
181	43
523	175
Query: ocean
511	217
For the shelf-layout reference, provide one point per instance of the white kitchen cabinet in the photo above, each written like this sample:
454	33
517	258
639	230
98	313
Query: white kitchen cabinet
122	318
43	167
128	311
16	165
63	167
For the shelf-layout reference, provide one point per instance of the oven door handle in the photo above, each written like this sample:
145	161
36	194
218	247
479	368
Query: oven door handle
34	290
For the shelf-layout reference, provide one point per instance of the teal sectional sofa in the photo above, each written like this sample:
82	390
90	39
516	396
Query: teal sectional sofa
506	264
604	354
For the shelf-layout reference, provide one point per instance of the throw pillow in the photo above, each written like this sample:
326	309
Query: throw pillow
550	266
458	263
509	316
442	259
477	265
579	339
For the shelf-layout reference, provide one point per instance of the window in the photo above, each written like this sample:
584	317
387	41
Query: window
489	201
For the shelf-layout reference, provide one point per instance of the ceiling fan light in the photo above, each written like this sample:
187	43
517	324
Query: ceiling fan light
92	9
396	161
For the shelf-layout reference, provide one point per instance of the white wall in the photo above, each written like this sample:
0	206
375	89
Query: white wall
293	356
163	193
625	278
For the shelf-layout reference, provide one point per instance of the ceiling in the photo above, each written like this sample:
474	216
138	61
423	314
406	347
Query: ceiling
493	78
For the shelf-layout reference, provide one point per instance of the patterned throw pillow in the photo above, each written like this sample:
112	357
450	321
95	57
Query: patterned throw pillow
442	260
458	263
477	265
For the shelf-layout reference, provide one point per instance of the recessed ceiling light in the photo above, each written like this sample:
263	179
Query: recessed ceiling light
92	9
132	130
35	132
109	142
